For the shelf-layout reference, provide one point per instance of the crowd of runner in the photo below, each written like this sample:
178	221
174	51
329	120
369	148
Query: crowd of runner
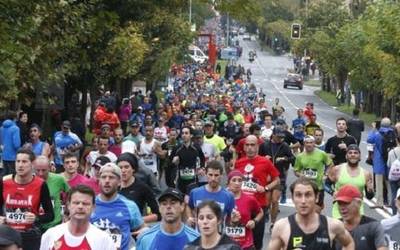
202	166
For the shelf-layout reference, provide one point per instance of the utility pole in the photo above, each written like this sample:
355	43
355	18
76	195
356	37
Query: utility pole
227	30
306	9
190	12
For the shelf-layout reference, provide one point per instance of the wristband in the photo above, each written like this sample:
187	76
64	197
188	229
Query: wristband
266	188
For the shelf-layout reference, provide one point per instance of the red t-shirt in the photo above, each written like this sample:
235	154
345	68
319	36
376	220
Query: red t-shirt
258	170
80	179
248	207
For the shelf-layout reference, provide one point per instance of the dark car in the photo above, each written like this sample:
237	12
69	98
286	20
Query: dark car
294	80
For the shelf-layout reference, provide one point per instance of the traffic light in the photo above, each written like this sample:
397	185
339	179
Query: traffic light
296	30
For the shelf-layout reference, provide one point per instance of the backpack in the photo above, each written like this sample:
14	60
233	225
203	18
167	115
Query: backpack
388	143
394	171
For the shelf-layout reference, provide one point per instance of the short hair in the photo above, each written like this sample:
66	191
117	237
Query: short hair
356	111
43	158
131	159
102	138
69	155
319	129
119	129
214	207
21	114
189	128
267	115
254	127
83	189
306	182
385	122
341	119
216	165
28	152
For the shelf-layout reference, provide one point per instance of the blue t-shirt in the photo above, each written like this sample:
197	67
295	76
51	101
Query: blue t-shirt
118	218
298	128
157	239
62	141
223	197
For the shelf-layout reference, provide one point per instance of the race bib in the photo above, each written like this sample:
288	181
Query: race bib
249	186
117	239
235	232
310	173
15	217
148	160
187	173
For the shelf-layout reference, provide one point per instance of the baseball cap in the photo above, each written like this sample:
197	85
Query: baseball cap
101	161
66	124
278	132
347	193
112	167
198	133
309	138
134	123
171	192
105	125
9	236
353	147
209	123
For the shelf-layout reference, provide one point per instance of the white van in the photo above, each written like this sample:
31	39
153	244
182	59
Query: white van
197	54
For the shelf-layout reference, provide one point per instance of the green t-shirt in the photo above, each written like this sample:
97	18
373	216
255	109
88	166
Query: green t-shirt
217	141
312	165
57	185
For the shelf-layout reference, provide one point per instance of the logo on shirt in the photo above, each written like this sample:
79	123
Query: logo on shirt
119	214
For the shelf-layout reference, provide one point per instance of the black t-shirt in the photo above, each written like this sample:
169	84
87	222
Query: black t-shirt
354	127
141	194
332	147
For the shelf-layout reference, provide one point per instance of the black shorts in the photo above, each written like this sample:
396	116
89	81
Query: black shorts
321	195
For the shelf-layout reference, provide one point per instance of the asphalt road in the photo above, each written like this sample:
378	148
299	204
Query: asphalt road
268	73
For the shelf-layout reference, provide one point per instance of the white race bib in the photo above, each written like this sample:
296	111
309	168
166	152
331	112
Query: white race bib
15	217
117	239
148	160
393	245
235	232
310	173
187	173
249	186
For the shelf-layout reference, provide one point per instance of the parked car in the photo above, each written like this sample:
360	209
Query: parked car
294	80
197	54
246	36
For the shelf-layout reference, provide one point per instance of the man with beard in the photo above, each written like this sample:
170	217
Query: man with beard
336	146
114	213
117	146
170	233
351	173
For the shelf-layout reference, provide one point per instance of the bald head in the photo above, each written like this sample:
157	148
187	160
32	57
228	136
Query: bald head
42	167
251	146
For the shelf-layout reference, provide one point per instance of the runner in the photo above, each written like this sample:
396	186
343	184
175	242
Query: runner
353	173
311	125
311	164
307	229
23	194
57	188
10	239
135	190
277	151
114	213
102	144
391	226
260	178
149	151
367	233
211	191
336	146
77	233
249	210
170	233
209	219
189	159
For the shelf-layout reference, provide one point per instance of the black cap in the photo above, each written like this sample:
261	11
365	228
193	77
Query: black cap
134	123
66	124
280	122
198	133
353	147
171	192
9	236
278	132
101	161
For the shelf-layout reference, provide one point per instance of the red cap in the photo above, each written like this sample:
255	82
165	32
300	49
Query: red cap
347	193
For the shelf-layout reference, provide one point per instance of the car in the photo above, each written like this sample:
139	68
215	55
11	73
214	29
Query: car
246	36
197	54
294	80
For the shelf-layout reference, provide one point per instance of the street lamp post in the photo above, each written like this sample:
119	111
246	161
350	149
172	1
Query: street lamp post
190	12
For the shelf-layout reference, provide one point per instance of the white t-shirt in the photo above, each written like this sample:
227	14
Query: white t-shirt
129	147
59	237
147	156
92	156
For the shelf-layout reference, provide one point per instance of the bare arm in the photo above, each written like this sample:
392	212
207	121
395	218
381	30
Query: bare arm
333	173
341	234
276	242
